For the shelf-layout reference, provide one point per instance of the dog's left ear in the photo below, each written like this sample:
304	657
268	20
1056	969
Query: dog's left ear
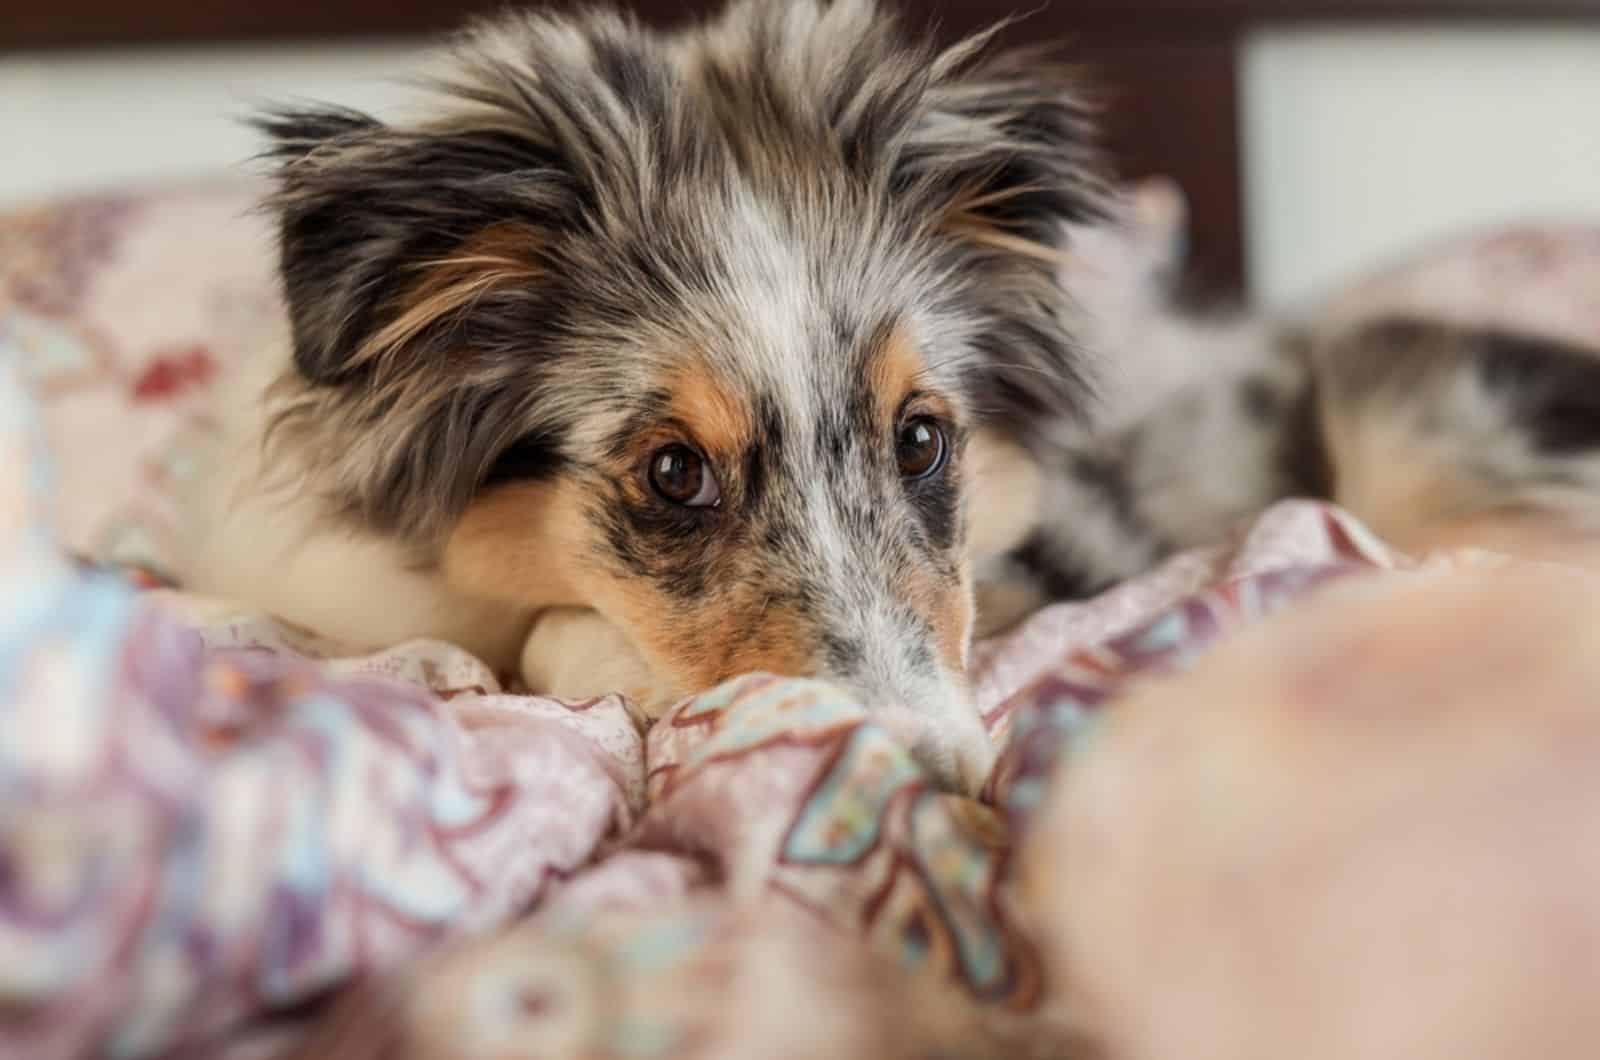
1005	151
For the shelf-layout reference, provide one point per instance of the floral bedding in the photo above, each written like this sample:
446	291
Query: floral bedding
219	839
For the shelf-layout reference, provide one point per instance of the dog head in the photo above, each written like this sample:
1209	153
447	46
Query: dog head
693	328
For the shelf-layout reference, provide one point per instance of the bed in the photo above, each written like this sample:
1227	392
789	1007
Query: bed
222	837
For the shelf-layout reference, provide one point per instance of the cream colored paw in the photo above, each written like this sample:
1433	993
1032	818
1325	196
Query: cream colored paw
573	653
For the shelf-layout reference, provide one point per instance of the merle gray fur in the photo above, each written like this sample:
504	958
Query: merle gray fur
636	163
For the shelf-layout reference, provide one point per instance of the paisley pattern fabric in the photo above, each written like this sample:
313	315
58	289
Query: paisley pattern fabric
218	839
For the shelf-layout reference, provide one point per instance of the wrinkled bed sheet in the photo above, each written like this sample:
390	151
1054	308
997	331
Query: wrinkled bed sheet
220	837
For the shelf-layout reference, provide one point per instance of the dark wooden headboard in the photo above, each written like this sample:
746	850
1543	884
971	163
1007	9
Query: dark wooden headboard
1168	68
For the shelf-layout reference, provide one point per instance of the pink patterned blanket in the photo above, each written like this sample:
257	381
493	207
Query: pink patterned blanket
212	841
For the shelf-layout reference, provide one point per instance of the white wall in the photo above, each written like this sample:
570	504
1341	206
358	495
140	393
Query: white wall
1361	142
79	121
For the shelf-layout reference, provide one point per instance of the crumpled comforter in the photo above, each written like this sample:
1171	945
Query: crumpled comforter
218	837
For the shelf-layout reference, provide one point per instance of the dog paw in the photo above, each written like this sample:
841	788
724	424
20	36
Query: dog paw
573	653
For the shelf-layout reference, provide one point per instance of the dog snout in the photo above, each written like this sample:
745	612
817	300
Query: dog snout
888	655
951	745
939	724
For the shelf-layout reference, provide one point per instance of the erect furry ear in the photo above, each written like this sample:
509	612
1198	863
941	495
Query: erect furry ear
1000	160
387	235
1005	149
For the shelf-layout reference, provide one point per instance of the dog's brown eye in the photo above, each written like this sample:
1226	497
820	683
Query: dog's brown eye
681	475
920	448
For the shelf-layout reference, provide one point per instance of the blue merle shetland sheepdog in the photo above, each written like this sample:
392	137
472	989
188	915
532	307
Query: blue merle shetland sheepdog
644	359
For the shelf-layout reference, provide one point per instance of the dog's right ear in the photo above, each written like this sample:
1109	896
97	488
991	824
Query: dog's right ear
388	235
